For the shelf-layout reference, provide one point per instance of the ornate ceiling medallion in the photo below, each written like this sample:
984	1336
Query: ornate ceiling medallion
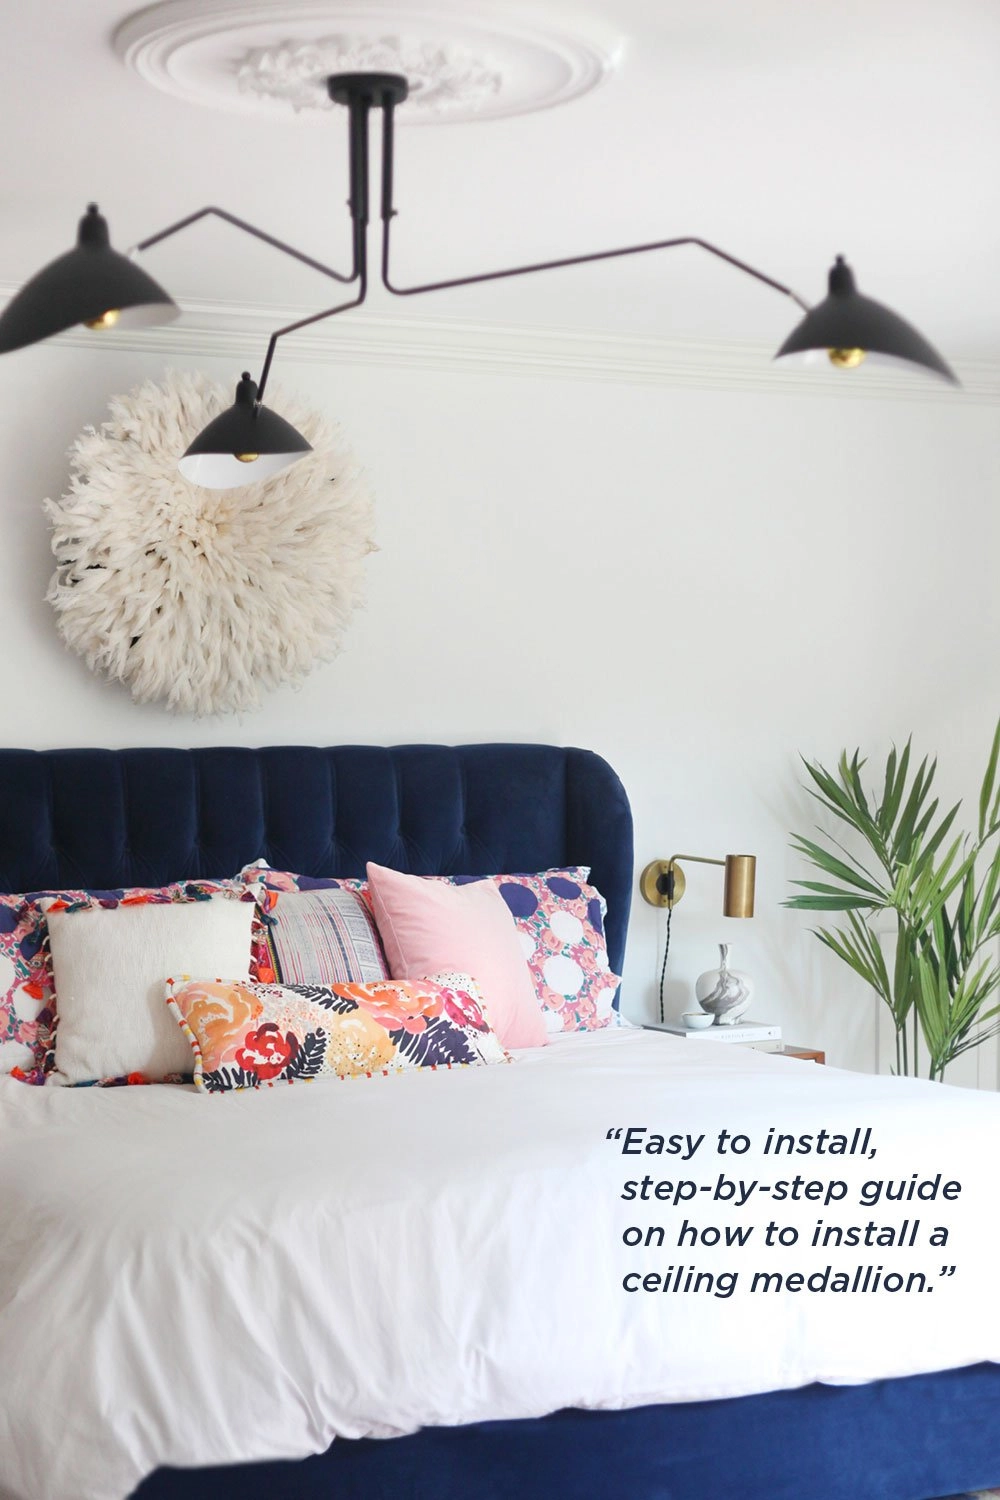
272	58
443	80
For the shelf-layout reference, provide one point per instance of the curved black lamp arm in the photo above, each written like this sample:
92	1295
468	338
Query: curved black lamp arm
360	99
578	260
259	234
389	213
304	323
358	202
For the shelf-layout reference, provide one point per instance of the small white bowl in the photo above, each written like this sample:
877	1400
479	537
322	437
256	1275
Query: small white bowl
697	1020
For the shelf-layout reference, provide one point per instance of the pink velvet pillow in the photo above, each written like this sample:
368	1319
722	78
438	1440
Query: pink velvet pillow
426	926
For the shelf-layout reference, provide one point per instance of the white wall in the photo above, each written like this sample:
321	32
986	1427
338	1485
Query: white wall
698	584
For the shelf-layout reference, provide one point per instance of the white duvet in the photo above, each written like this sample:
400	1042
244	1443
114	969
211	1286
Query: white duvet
195	1280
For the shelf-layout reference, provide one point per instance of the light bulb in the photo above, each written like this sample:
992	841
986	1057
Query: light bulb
246	458
846	359
106	320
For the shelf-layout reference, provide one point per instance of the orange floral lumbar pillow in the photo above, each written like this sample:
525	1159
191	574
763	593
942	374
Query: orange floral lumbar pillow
246	1034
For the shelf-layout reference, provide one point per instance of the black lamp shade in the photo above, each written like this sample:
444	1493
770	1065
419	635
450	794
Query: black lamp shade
848	322
245	444
92	284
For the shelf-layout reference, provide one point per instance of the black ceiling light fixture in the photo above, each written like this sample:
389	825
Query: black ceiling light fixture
96	286
245	443
850	328
91	284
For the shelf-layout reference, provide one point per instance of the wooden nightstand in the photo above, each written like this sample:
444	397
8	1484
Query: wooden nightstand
808	1054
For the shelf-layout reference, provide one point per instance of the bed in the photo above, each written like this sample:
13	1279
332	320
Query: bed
110	1341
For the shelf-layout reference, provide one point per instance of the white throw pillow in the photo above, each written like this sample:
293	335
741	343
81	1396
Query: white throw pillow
109	967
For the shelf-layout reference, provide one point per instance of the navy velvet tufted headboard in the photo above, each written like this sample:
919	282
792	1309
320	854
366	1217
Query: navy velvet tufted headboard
106	818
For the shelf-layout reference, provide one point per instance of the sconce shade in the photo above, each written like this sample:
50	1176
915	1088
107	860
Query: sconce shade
852	327
91	284
741	876
246	443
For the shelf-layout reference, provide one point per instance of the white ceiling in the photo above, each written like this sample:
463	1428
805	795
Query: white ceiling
785	130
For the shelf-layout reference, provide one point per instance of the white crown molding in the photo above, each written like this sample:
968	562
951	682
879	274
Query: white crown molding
240	333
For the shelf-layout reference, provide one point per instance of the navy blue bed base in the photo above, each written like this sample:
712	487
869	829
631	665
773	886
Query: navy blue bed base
894	1440
103	819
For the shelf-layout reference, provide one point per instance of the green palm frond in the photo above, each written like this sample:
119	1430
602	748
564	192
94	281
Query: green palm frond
906	859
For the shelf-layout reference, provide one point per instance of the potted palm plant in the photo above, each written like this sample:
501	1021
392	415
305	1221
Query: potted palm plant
941	889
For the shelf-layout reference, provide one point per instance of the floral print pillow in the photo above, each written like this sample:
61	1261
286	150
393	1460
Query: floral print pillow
560	923
288	880
28	1002
246	1034
25	992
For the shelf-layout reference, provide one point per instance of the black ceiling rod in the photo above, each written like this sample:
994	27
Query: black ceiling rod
358	95
361	93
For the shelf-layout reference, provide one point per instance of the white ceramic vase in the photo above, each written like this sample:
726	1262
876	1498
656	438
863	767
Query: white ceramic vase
724	992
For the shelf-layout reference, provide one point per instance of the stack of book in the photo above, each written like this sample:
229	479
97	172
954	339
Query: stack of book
757	1034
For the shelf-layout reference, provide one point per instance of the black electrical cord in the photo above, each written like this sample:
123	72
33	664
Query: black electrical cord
669	893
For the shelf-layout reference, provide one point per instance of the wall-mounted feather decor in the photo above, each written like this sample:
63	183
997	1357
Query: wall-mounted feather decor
204	599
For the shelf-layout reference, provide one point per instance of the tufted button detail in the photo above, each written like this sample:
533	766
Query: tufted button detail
71	817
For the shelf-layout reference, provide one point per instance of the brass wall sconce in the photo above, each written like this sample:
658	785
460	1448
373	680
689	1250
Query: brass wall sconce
663	883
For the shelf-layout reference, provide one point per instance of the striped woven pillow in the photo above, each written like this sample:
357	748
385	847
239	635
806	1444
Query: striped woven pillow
320	937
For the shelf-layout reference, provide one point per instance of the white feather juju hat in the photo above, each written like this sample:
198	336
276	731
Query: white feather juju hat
204	598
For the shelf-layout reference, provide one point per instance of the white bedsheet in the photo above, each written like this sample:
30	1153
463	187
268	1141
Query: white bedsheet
197	1280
